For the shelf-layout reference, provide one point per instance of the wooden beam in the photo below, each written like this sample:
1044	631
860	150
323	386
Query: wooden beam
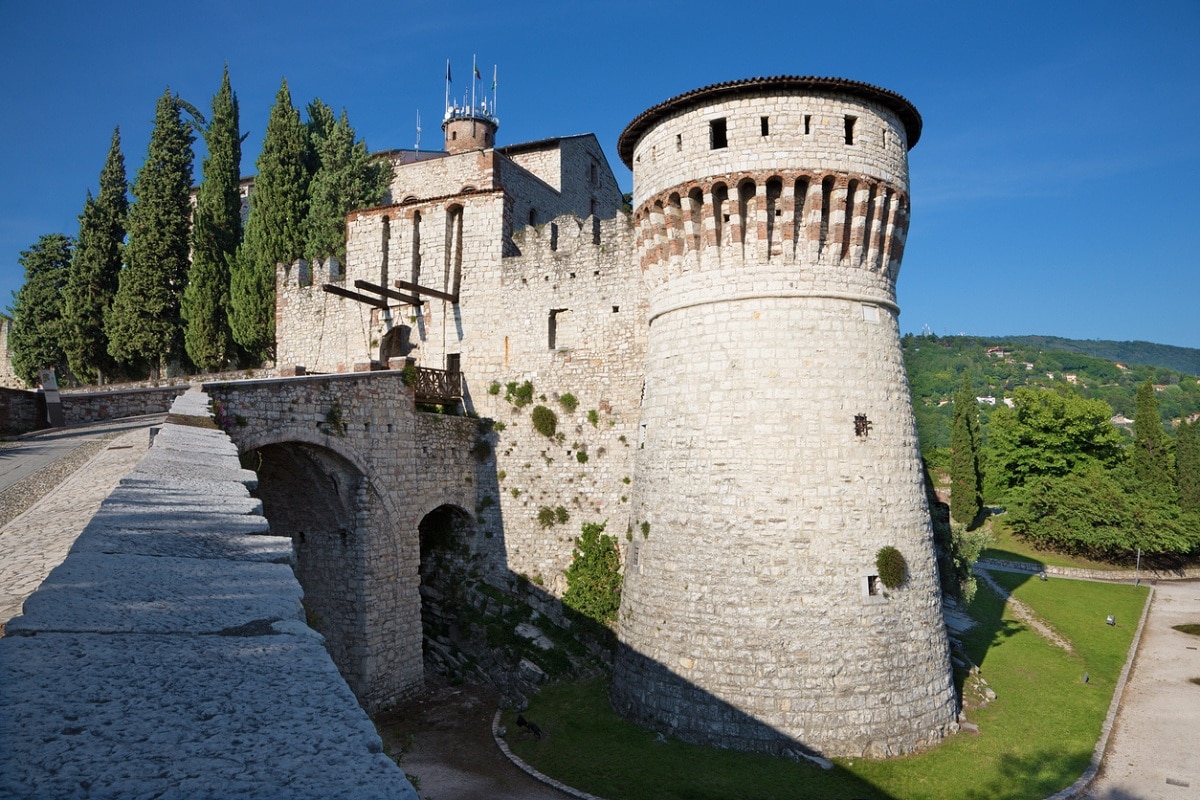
362	298
404	298
412	287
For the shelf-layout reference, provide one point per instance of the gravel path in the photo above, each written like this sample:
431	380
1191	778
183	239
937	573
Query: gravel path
22	495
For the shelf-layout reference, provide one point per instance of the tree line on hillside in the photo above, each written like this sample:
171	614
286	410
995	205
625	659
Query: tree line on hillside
997	367
160	281
1071	481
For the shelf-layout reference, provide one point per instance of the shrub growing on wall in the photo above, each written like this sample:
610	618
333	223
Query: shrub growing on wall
891	566
594	577
568	402
544	421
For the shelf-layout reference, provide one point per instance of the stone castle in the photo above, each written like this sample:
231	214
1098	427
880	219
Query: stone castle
725	371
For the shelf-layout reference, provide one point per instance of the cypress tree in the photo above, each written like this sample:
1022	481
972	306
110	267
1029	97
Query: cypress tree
1150	454
92	279
216	234
275	229
37	311
143	324
345	179
966	477
1187	465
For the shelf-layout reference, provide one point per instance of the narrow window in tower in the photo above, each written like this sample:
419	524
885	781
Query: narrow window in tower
765	123
872	585
552	330
716	134
850	128
416	247
385	240
679	142
594	174
807	124
533	216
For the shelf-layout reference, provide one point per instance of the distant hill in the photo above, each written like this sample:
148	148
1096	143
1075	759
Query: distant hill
1181	359
1108	371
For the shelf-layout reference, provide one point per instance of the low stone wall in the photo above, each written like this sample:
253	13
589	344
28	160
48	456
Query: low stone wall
21	410
168	654
83	407
1113	575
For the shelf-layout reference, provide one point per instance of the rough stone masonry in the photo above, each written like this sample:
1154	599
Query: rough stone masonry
167	656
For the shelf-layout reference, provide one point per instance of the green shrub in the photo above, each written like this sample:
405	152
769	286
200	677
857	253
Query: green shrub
494	388
519	394
891	566
581	457
408	375
568	402
593	417
498	426
544	421
545	516
645	530
594	577
561	516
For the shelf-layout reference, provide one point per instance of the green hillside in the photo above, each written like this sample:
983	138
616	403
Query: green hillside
1093	369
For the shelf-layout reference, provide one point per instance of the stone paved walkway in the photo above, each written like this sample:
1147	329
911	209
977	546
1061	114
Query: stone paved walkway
38	540
1154	751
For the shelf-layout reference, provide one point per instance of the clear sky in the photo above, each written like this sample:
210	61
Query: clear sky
1054	188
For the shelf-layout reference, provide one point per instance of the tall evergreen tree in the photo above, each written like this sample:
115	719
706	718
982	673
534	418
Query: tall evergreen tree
966	477
1150	455
37	311
275	229
345	178
216	234
92	279
144	324
1187	465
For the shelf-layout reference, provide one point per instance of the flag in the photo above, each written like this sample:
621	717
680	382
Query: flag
493	79
448	72
478	77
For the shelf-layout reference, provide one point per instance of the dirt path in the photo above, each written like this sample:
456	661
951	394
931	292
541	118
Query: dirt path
1025	613
444	738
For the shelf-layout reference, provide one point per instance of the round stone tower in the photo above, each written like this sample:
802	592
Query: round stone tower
467	129
778	450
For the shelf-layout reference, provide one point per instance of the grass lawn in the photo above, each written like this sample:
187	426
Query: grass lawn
1034	739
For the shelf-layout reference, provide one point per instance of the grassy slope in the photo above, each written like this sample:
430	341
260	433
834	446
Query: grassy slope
1035	739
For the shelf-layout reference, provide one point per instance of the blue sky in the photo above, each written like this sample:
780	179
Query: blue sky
1052	189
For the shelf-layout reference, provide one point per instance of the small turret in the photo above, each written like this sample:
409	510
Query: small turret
469	129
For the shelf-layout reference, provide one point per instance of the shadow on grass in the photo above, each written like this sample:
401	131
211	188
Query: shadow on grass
1033	774
991	630
586	745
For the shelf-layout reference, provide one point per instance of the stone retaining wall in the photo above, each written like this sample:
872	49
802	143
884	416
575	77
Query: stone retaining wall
1115	575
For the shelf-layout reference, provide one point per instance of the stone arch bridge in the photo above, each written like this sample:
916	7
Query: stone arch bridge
349	469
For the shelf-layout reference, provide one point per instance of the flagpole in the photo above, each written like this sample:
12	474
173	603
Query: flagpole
474	72
418	145
494	85
447	85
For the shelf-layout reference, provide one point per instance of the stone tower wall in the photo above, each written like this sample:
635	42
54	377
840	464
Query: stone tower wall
780	450
583	273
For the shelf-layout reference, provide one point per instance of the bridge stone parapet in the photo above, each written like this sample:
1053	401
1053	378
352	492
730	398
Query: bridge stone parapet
168	655
348	469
